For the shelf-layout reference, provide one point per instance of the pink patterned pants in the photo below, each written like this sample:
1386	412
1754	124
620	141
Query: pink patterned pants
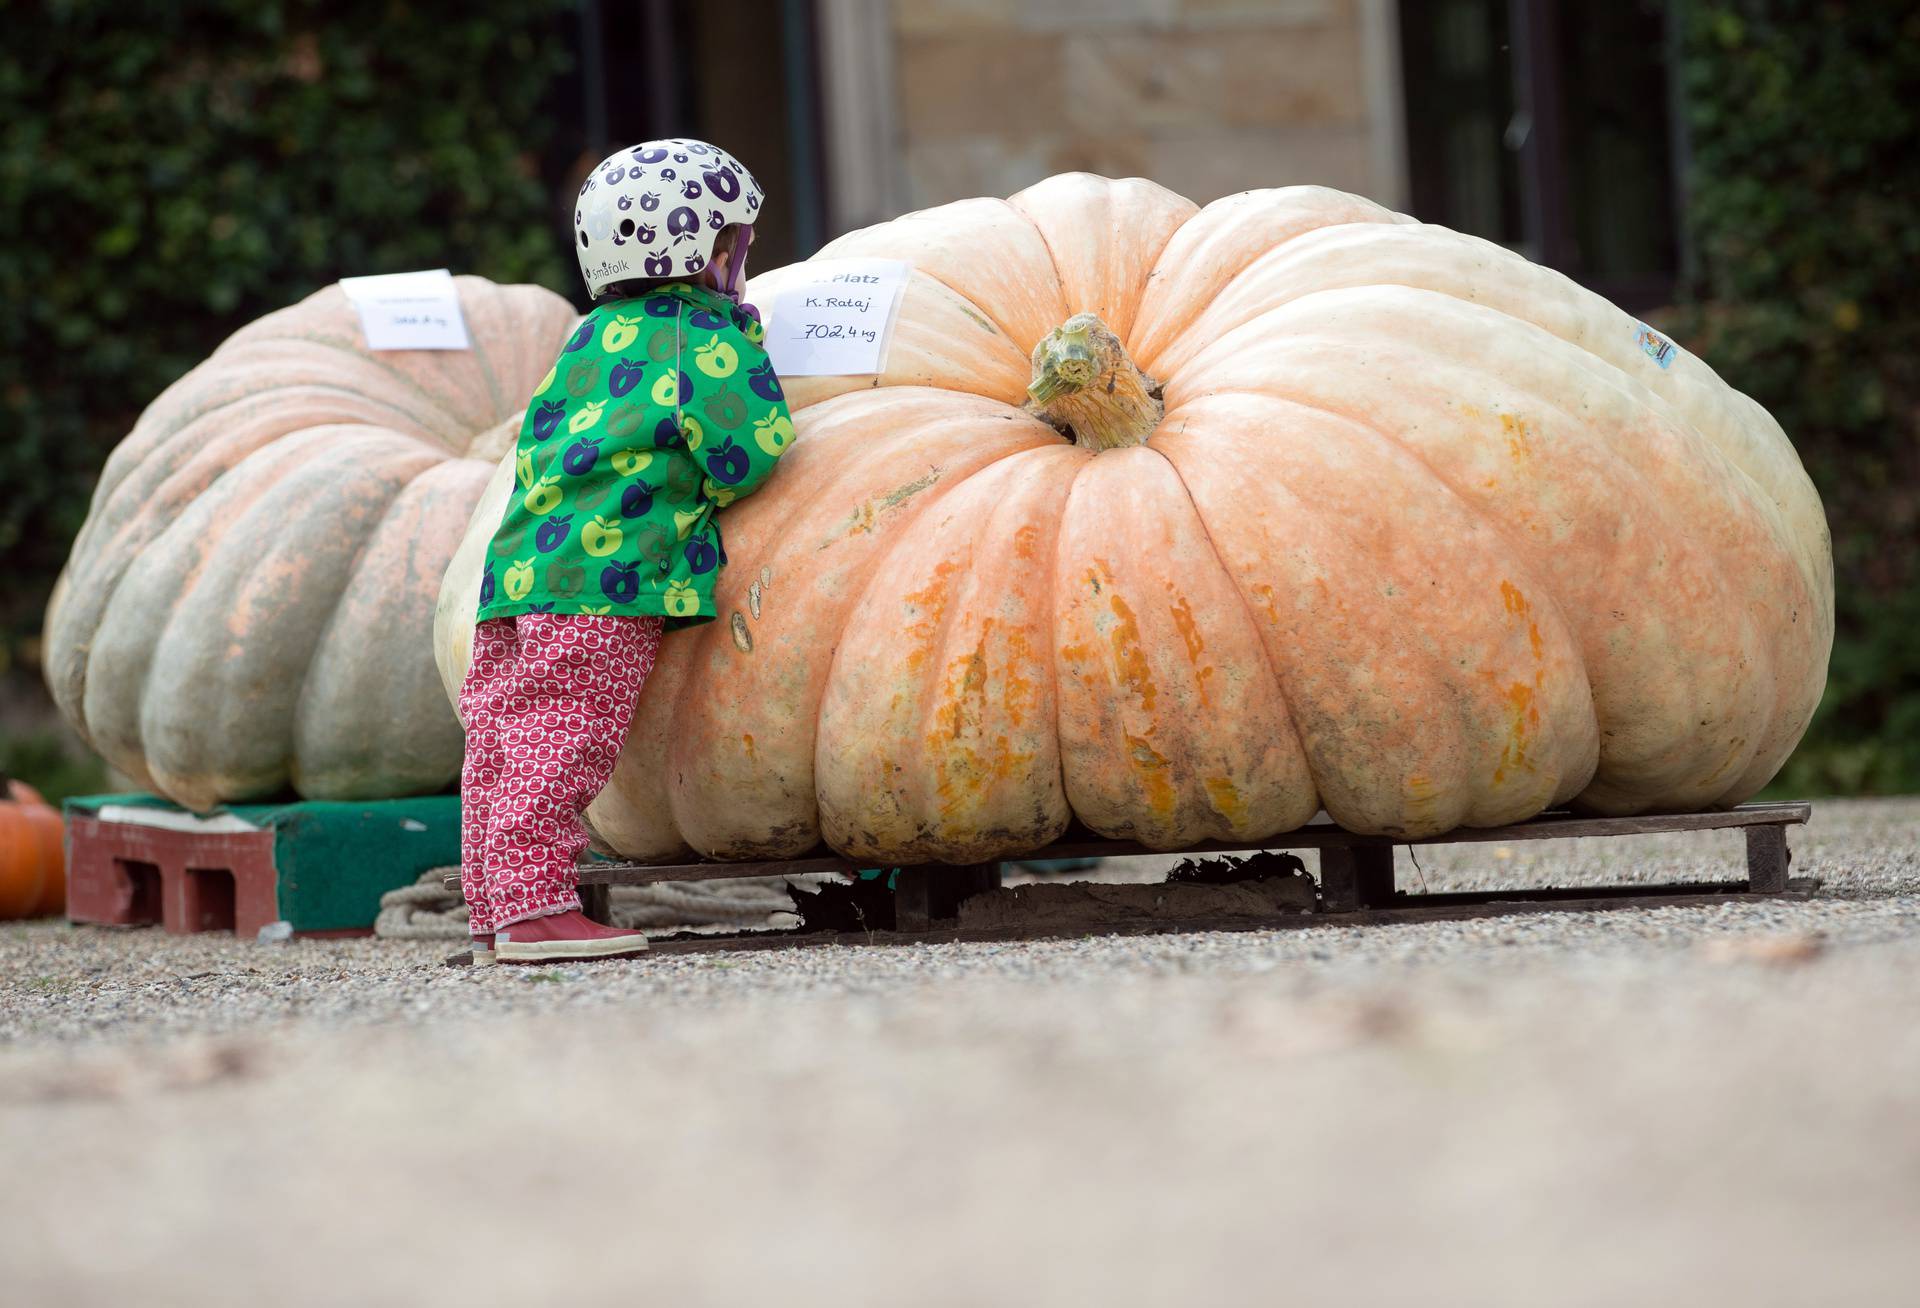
547	703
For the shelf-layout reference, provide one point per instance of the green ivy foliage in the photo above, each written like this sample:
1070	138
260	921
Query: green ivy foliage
1804	217
171	171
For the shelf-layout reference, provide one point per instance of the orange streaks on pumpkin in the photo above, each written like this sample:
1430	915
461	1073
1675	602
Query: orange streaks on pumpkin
1026	542
969	761
1523	712
1226	799
1151	767
966	679
1336	604
1264	593
865	517
1019	694
1736	751
1129	660
1190	634
931	603
1517	605
1189	631
1519	435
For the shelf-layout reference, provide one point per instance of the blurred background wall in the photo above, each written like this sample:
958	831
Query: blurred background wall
1200	95
1742	172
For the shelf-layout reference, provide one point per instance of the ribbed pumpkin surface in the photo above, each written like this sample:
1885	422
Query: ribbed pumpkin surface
248	606
1428	536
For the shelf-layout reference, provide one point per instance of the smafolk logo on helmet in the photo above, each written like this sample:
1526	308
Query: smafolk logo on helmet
654	211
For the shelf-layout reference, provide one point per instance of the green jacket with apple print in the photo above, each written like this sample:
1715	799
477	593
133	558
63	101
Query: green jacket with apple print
661	411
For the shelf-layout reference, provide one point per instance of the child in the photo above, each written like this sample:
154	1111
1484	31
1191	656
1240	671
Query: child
661	410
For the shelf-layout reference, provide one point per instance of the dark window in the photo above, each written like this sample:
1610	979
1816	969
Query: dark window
1459	98
1547	126
739	75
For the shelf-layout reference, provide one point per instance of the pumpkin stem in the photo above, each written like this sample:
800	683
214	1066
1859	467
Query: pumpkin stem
1083	382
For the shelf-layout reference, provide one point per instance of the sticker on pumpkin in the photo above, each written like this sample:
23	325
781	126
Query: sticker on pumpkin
1654	345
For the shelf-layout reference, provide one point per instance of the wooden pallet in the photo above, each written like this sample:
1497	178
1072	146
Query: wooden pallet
1355	885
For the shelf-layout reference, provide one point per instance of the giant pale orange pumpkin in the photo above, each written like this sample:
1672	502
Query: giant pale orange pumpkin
247	607
1396	524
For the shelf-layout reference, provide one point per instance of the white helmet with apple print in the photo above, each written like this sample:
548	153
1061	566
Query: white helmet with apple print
654	211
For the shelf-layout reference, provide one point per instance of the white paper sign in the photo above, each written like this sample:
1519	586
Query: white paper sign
409	311
839	321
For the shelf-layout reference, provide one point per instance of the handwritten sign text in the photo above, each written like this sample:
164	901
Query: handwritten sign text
837	323
409	311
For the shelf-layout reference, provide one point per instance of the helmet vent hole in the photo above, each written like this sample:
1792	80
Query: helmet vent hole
583	240
626	227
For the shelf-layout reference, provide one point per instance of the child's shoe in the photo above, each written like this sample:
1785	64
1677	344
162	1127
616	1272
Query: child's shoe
483	953
570	937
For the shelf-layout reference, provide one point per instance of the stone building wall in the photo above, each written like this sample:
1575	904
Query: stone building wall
1204	96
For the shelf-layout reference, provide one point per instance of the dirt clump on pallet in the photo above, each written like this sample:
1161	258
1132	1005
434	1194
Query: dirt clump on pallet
1089	903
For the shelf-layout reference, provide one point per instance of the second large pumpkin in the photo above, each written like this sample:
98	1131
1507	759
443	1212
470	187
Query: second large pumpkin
246	608
1427	536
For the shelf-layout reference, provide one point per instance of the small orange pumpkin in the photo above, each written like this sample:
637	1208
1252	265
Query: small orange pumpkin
33	863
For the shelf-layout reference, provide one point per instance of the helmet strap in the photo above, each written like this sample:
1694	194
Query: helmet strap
737	263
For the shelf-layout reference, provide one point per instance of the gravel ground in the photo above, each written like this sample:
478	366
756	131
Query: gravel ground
1716	1105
